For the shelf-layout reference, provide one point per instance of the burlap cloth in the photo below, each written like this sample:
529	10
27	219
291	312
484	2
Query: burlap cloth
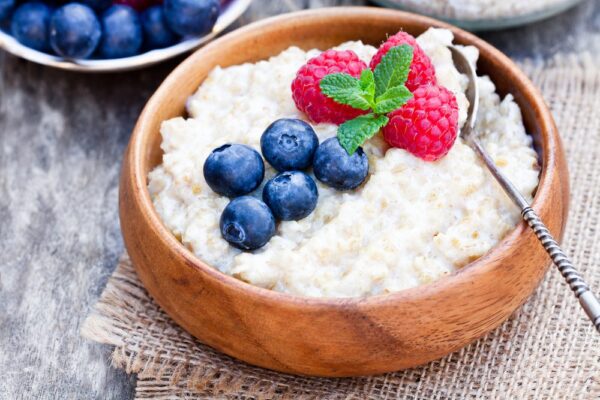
546	350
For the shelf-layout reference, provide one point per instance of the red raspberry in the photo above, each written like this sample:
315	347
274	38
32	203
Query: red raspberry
307	93
426	125
421	72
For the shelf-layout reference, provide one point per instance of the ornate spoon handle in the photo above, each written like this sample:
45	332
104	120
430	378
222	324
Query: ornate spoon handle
586	297
582	291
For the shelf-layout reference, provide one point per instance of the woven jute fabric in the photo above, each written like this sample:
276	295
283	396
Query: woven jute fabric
546	350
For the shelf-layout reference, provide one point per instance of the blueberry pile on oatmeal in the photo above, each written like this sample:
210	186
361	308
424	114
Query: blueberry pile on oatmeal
341	173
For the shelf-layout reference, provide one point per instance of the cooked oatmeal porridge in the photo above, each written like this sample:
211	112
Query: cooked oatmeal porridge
411	223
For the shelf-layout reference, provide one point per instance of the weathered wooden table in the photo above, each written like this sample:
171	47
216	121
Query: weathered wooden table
62	136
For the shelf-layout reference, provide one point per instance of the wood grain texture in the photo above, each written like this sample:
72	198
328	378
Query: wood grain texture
62	137
334	337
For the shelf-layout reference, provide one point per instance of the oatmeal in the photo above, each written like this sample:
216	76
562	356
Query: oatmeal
410	223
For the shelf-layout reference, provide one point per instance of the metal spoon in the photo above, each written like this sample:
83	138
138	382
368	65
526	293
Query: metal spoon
587	299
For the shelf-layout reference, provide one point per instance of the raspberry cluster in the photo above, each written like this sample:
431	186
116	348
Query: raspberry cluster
426	125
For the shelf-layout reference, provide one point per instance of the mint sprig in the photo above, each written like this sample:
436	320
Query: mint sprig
393	68
380	91
355	132
392	99
346	89
367	85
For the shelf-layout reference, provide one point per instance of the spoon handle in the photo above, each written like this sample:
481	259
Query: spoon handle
582	291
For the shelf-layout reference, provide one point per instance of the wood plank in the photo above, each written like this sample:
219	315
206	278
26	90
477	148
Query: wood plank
62	136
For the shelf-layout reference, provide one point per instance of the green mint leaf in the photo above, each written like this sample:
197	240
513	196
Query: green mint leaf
392	99
345	89
367	85
393	69
355	132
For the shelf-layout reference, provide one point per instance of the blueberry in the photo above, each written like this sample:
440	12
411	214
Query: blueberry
291	195
234	170
289	144
30	25
98	5
191	17
122	32
6	8
156	32
247	223
74	31
334	167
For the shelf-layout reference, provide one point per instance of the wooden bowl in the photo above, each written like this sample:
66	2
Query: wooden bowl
334	337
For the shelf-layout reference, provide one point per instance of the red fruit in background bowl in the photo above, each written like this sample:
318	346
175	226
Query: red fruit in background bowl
139	5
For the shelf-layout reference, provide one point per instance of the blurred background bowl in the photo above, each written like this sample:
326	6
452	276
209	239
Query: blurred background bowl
231	11
479	21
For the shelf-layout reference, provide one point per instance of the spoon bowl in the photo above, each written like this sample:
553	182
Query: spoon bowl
464	66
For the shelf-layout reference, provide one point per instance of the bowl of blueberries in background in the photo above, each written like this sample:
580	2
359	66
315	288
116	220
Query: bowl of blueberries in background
111	35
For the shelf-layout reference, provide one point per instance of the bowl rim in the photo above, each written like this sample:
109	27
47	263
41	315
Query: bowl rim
229	13
468	273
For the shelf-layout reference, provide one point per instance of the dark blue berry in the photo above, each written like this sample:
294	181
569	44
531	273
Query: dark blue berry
74	31
191	17
6	9
334	167
289	144
98	5
247	223
30	25
156	32
291	195
122	32
234	170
